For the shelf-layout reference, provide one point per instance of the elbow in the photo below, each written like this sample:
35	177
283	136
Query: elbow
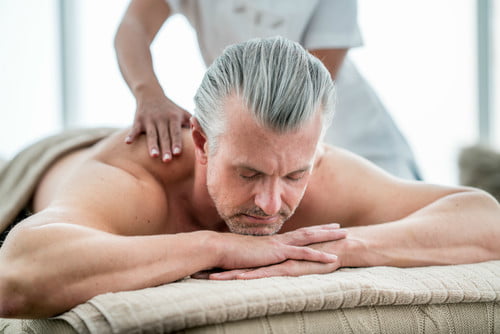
488	215
21	296
480	199
12	301
18	301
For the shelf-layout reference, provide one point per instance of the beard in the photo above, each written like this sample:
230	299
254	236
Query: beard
238	218
237	221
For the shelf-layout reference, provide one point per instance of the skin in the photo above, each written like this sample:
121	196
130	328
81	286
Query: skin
109	218
156	115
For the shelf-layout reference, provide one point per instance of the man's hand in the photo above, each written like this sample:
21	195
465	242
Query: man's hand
287	268
289	254
161	120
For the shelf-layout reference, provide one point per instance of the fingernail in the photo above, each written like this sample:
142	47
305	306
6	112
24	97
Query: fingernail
154	152
166	157
333	256
128	140
177	150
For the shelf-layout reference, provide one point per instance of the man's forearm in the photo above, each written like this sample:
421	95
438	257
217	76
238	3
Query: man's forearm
55	267
459	228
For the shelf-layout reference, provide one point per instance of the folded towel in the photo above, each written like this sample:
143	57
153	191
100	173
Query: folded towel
19	176
191	303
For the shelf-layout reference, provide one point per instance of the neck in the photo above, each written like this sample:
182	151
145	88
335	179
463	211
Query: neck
203	208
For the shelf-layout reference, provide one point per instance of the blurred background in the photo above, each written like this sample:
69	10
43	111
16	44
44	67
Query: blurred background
434	63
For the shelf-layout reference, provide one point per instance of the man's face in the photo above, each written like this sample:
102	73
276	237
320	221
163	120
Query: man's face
257	177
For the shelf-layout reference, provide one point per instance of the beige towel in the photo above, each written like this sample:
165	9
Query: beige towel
19	177
191	303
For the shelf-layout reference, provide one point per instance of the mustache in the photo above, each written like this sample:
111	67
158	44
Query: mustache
258	212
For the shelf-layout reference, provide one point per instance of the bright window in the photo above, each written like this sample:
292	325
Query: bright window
420	56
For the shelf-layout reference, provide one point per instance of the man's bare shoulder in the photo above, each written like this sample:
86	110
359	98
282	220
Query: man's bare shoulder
112	186
347	189
329	194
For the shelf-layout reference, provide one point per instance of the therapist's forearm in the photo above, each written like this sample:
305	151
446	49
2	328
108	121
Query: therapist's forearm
459	228
331	58
134	58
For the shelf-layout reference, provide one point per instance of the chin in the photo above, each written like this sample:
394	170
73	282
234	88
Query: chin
254	229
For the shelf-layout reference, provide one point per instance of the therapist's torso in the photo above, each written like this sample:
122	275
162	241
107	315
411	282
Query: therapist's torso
361	123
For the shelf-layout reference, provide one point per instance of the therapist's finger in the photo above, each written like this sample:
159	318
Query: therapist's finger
185	119
152	140
134	132
175	126
164	136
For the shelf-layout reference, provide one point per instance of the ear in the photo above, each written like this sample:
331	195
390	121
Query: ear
200	141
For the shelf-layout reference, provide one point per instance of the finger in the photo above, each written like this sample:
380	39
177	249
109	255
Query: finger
152	140
200	275
289	268
258	273
331	226
163	132
303	237
204	274
228	275
134	133
185	119
309	254
176	136
271	271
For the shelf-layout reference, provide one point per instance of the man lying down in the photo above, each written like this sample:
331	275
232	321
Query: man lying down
254	194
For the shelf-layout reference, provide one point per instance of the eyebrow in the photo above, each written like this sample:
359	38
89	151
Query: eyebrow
300	170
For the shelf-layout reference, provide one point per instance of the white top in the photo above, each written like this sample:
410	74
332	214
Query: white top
361	124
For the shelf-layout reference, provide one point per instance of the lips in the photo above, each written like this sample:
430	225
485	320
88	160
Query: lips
263	220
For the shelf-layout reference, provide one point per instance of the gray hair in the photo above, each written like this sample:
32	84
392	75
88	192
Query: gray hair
277	79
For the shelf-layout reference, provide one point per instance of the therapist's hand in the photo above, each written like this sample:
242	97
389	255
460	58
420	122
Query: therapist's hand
161	120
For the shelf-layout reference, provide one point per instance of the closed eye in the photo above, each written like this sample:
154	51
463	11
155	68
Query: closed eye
296	176
250	176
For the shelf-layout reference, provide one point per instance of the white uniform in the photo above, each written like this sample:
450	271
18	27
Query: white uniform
361	124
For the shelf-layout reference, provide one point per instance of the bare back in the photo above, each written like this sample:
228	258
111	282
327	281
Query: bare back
118	188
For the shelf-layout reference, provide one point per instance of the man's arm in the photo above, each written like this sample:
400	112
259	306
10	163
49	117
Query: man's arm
50	267
156	114
392	222
83	244
461	227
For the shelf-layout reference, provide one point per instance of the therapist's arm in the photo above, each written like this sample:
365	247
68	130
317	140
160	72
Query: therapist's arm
156	115
331	58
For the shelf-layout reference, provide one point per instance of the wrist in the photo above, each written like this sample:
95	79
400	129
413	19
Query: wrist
356	250
212	247
144	91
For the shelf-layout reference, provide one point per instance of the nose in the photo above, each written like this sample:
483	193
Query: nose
268	198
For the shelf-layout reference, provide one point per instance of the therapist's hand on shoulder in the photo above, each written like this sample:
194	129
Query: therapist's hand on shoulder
156	115
161	120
